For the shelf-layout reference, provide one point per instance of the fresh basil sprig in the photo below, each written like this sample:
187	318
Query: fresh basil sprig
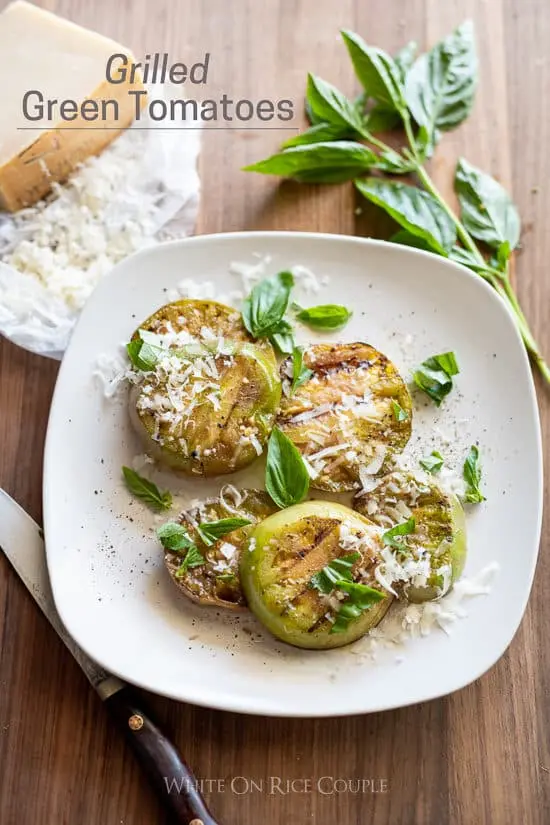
337	575
380	76
264	308
174	536
361	597
319	162
486	208
146	490
440	86
394	536
337	570
145	351
425	97
211	531
319	133
405	58
286	475
472	476
325	316
432	463
416	211
435	376
300	373
283	338
398	412
193	558
328	104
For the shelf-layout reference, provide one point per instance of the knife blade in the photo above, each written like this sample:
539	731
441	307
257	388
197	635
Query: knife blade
22	543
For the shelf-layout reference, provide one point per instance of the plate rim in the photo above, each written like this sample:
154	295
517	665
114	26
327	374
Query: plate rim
233	702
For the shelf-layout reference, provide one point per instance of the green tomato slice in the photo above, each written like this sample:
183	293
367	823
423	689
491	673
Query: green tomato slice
217	581
283	555
201	320
435	553
208	410
354	412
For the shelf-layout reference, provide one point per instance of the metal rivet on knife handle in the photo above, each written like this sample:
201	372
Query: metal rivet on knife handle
135	722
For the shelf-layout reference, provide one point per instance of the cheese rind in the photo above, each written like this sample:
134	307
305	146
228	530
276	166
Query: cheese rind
41	51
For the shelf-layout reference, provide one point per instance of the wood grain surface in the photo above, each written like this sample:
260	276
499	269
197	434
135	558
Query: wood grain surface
479	757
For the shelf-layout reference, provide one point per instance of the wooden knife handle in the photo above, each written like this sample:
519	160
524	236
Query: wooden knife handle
161	761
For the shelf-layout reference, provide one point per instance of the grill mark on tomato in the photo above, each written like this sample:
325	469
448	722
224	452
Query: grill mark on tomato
312	555
319	623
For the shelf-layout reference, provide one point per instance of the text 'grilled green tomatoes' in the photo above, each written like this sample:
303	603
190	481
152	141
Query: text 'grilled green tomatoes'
207	410
350	415
216	580
308	575
421	564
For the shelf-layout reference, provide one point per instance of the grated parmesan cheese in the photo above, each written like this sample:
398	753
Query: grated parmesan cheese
142	188
406	621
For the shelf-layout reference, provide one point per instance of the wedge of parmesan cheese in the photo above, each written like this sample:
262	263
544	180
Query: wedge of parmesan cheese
40	52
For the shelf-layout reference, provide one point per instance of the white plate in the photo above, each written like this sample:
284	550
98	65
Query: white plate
107	576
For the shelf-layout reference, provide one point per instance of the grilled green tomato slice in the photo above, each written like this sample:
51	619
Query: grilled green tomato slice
207	410
217	582
434	555
286	550
349	417
201	320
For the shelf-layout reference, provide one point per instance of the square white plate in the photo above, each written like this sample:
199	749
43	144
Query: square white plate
105	565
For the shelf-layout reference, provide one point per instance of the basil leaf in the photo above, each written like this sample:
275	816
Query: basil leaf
361	594
193	558
313	119
282	338
329	104
347	613
300	373
144	356
393	163
435	383
361	598
391	537
503	255
472	476
406	238
151	338
331	162
440	86
377	71
211	531
488	213
338	570
416	211
445	361
405	58
320	133
463	256
174	536
435	376
325	316
382	118
226	577
264	308
286	476
432	463
398	412
148	492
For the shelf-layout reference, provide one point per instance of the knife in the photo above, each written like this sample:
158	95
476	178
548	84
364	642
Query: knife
22	543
